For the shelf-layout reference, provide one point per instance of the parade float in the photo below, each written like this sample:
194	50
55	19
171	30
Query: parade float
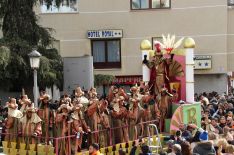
180	79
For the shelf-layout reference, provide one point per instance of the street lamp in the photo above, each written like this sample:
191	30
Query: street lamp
34	58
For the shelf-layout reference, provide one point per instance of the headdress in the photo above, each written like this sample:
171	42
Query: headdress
45	97
65	106
12	109
79	92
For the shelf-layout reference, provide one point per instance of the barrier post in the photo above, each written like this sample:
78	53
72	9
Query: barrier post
110	136
56	145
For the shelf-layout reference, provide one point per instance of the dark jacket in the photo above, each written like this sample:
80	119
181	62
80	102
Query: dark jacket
204	148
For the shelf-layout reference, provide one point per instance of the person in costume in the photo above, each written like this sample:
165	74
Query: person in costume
120	114
147	111
159	74
24	102
115	92
12	121
98	114
78	127
80	98
92	94
113	98
133	118
163	71
63	126
133	111
164	106
46	115
30	127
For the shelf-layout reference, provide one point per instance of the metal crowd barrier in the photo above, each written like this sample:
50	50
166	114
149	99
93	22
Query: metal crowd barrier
15	147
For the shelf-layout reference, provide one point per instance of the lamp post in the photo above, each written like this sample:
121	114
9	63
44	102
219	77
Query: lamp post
34	58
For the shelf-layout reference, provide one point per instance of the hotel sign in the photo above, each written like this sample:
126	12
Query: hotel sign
99	34
202	61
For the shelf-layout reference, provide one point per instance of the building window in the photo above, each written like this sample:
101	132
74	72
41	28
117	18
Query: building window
230	2
106	53
67	6
150	4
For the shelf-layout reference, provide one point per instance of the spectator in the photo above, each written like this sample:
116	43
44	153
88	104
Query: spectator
204	147
94	149
229	150
163	153
207	113
144	148
177	137
230	114
222	145
186	148
211	109
176	150
221	111
214	99
214	123
229	122
227	134
222	99
186	134
170	144
230	107
121	152
213	136
222	121
196	138
204	100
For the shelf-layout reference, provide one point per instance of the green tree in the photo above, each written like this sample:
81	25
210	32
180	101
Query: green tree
103	80
22	34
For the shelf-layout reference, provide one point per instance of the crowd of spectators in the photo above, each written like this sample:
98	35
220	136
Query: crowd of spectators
214	137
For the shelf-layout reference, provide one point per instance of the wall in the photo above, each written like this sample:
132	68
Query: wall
230	38
78	72
195	18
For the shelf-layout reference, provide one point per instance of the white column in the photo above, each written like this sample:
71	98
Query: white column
189	75
145	69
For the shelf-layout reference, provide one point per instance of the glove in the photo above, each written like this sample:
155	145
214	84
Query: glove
145	61
110	107
34	134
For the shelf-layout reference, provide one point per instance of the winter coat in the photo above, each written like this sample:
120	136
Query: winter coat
204	148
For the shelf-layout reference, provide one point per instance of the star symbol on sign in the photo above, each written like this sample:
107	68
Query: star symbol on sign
115	33
199	64
206	64
119	33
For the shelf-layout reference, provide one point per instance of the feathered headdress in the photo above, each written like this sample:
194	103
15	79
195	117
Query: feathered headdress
169	43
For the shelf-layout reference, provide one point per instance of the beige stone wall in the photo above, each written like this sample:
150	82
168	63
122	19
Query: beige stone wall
230	39
204	20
